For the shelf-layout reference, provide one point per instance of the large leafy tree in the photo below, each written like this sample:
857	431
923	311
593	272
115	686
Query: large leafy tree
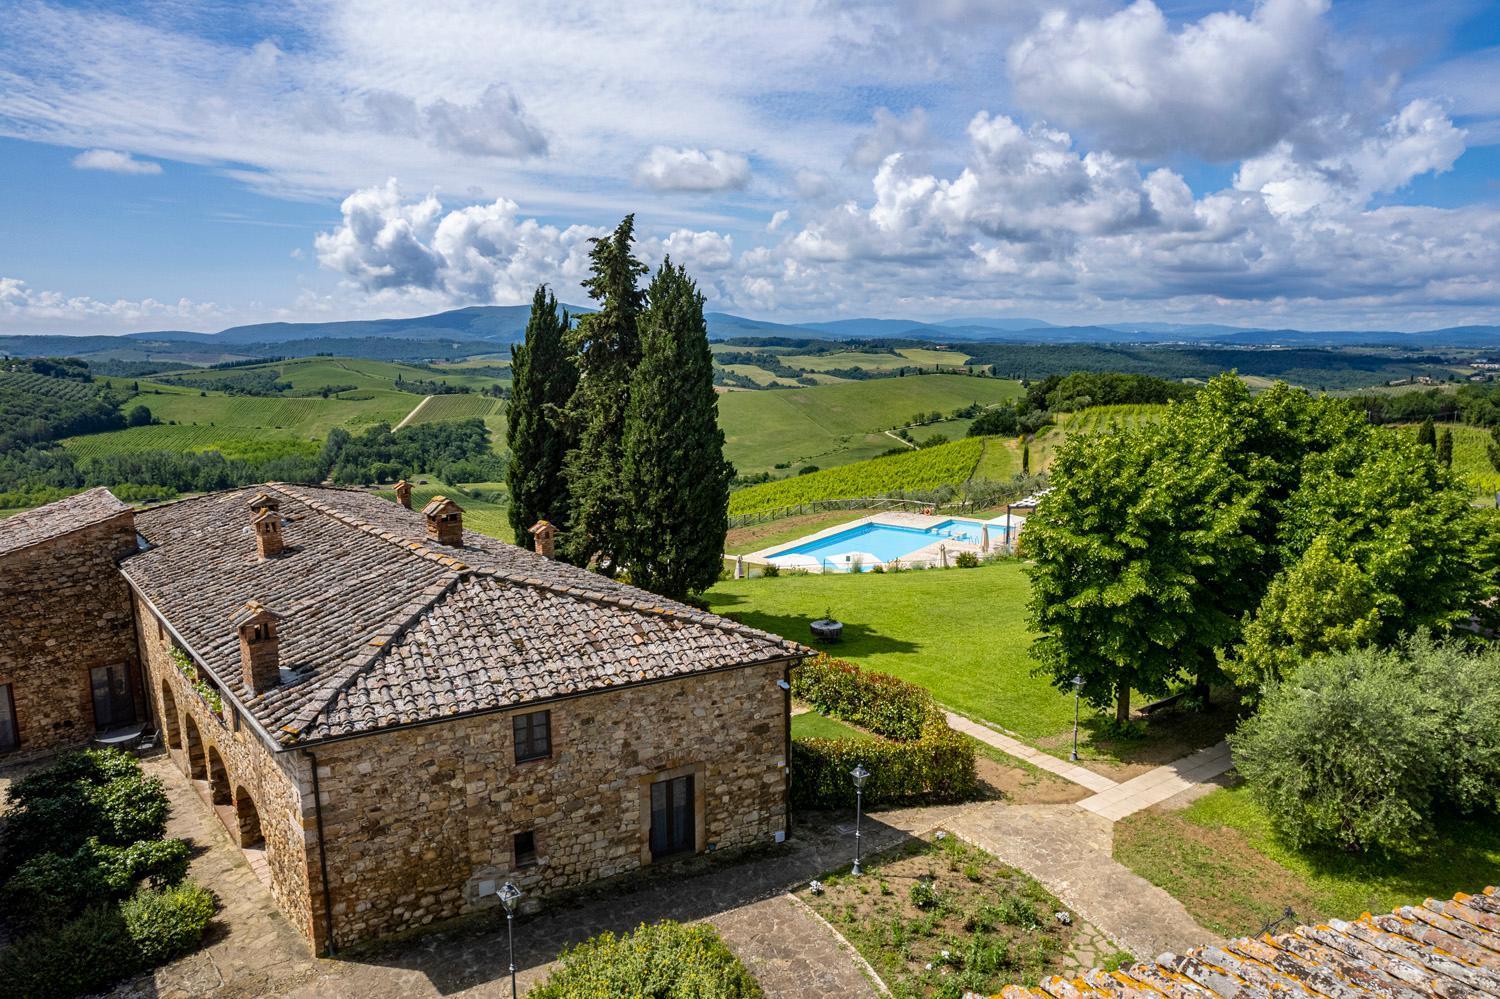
1137	556
675	477
544	379
607	346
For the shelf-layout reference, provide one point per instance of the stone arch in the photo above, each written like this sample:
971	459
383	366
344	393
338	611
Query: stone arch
218	778
171	729
248	815
197	764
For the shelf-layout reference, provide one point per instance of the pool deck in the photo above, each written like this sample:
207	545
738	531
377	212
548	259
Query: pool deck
929	555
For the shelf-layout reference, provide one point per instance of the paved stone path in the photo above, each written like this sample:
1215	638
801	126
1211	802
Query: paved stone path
1069	850
1195	770
253	950
1037	758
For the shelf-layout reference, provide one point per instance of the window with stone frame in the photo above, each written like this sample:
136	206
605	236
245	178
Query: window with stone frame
525	848
9	736
533	734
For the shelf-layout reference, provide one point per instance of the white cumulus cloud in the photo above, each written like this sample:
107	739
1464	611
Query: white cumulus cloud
46	311
114	161
666	168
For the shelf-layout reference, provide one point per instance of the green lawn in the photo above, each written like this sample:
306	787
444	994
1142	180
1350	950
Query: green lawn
1223	861
811	725
837	424
961	633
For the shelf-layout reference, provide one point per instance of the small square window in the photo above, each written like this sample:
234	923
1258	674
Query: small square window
533	733
525	848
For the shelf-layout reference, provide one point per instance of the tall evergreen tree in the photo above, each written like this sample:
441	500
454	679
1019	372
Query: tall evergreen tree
1445	448
1427	433
544	379
607	346
675	476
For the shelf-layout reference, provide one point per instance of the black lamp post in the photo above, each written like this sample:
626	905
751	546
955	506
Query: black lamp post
1077	689
860	775
510	897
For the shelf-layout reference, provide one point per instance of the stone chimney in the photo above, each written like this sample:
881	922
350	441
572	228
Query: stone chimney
268	539
403	493
260	642
445	521
544	534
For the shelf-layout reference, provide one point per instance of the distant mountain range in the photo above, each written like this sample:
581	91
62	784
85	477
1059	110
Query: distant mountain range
480	329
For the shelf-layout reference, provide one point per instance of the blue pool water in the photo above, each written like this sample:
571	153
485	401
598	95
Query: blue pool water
884	542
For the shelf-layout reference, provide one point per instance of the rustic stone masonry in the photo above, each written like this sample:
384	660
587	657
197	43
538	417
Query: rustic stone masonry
421	822
269	794
64	609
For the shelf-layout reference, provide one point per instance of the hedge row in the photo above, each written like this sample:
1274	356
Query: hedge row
919	759
876	702
665	960
938	767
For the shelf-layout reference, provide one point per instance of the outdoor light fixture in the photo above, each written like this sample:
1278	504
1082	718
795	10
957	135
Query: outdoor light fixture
859	775
783	685
510	897
1077	689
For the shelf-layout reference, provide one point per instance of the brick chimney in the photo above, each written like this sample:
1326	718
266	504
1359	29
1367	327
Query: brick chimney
544	534
260	642
263	501
445	521
403	493
268	539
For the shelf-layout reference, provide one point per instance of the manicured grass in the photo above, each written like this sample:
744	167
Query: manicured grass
961	633
1222	859
1001	460
837	424
811	725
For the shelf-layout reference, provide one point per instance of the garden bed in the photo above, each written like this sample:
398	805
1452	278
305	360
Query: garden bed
936	918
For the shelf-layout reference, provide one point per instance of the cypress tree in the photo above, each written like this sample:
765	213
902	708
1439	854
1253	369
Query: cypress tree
675	475
544	379
1445	448
607	347
1427	433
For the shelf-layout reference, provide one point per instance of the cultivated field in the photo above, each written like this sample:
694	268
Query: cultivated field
838	424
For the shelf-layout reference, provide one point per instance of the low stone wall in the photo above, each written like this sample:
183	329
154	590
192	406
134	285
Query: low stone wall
420	822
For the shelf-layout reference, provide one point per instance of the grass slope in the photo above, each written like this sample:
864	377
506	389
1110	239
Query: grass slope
960	633
920	469
1223	861
831	425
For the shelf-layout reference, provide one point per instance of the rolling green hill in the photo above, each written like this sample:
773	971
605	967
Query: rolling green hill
831	425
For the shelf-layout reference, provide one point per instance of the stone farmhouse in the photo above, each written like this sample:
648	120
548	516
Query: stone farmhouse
393	715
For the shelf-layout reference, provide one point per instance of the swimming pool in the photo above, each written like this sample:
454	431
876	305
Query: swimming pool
859	548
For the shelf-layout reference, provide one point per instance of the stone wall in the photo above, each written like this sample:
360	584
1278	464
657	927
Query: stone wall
65	609
420	821
271	788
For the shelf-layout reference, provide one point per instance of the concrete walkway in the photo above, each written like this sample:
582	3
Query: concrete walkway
1156	786
1042	761
1070	851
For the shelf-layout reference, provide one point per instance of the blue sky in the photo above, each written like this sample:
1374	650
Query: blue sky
177	165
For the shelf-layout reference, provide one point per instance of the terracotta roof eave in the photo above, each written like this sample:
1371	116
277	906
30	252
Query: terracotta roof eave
498	709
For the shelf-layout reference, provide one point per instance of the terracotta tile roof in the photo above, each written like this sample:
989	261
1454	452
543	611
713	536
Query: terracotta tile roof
382	626
1446	949
56	519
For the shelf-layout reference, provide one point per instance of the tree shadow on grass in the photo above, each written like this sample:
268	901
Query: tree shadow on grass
858	639
1460	855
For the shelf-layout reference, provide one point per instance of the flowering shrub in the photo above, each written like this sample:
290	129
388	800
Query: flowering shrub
879	702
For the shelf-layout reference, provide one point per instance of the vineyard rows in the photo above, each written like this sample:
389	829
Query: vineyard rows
456	407
17	382
924	469
1100	417
231	442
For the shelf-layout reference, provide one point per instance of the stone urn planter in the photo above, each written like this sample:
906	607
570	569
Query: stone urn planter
827	629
